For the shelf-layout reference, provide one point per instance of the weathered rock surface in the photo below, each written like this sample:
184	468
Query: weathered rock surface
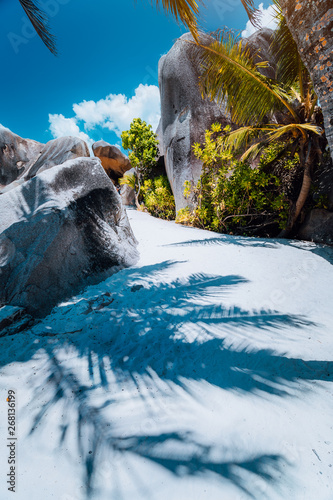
21	159
127	195
114	162
311	25
259	44
318	227
61	230
184	116
13	320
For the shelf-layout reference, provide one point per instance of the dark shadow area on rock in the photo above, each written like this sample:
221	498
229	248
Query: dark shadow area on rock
65	228
144	328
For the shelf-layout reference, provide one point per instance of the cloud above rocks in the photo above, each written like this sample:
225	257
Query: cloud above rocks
266	21
114	113
61	127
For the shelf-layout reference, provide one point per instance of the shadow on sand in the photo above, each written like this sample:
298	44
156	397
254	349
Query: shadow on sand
324	251
148	340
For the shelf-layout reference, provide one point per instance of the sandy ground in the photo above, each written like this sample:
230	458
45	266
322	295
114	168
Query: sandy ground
205	372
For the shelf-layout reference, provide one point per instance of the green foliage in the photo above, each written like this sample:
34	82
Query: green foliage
158	198
231	196
141	142
229	72
129	180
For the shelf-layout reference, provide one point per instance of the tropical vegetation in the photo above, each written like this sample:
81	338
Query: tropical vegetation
266	110
233	196
142	144
158	199
279	112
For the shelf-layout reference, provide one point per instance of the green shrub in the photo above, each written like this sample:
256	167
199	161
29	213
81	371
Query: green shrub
158	198
142	144
234	197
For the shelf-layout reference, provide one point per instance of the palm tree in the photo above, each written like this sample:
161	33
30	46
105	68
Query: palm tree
185	11
311	26
38	19
266	109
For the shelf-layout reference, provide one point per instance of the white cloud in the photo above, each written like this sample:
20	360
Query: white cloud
114	113
61	127
266	21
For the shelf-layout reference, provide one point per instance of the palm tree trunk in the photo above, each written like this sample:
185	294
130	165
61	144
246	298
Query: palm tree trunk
311	25
136	194
303	194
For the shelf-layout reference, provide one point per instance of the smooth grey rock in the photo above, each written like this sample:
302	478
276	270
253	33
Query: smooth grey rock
59	231
184	116
127	195
318	227
21	159
114	162
259	44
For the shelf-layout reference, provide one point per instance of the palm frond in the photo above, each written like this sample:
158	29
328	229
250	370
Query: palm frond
295	93
38	20
229	72
253	13
129	180
254	150
290	67
259	137
241	137
295	129
185	11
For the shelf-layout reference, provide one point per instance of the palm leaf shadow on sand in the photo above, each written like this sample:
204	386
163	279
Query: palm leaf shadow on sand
145	331
323	251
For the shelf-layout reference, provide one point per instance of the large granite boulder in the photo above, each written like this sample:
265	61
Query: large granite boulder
59	231
114	162
21	159
127	195
259	44
318	227
185	115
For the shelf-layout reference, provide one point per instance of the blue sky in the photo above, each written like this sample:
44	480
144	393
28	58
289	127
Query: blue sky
106	71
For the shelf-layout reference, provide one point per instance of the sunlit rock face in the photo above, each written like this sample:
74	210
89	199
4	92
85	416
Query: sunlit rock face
127	195
311	25
185	115
21	159
114	162
259	44
61	228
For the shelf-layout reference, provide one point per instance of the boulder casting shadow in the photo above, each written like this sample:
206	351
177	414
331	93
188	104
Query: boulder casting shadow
62	227
136	343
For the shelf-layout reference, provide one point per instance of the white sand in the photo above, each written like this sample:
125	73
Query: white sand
205	372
